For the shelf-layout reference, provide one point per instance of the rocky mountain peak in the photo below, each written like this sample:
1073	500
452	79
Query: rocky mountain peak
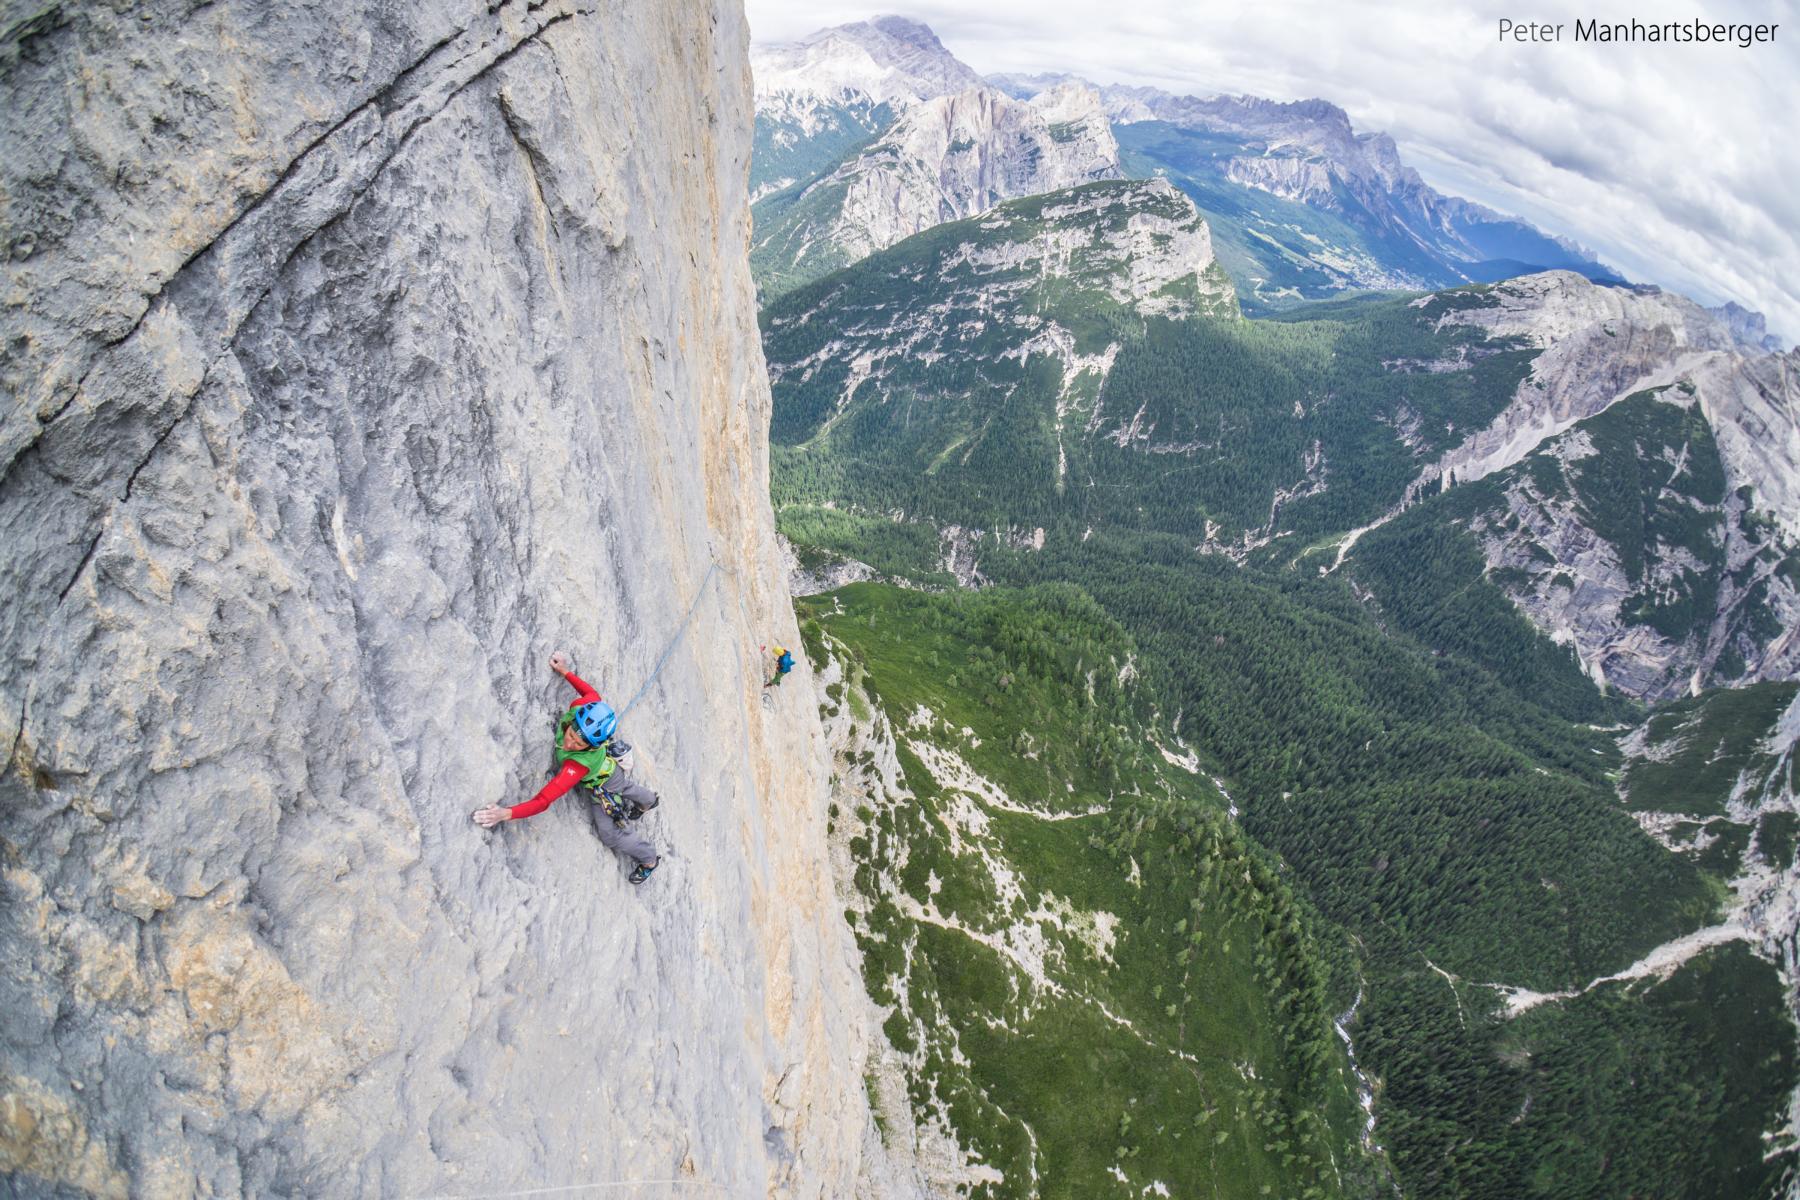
1599	343
1387	227
1069	100
899	31
1309	152
1023	85
1383	158
1315	124
1750	328
1160	255
886	60
1605	345
942	159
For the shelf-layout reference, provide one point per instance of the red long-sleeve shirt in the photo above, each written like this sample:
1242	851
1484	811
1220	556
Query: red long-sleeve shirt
571	773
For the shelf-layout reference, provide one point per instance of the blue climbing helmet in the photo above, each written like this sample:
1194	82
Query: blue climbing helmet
596	722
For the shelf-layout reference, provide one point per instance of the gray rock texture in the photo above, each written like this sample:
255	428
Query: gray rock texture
1598	346
817	572
356	357
942	159
957	156
889	60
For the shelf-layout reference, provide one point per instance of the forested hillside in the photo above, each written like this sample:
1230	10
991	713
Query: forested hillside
1344	618
1031	371
925	383
1620	535
1435	779
1046	890
1463	847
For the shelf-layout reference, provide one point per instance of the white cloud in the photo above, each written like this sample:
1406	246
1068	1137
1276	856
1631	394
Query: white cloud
1676	163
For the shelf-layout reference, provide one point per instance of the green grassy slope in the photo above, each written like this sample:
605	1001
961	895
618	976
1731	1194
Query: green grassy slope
1418	765
1090	973
926	382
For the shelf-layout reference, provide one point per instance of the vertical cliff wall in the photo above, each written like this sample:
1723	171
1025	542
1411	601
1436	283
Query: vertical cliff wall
355	358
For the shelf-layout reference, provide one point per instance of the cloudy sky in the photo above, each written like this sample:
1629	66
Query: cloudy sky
1676	163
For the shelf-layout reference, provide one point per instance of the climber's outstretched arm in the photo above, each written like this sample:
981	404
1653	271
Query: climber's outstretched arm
584	692
571	774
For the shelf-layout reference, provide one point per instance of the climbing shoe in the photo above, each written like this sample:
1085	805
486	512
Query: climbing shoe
641	872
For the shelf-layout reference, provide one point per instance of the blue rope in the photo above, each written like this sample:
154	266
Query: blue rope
673	642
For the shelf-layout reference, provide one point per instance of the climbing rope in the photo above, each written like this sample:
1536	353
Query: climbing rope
673	642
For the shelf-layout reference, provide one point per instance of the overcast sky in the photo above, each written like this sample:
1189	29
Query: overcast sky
1675	163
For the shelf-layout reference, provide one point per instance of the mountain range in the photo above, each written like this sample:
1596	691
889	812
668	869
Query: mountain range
915	371
1472	607
1302	205
940	159
1259	759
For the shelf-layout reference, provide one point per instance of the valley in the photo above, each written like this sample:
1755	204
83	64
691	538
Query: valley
1391	596
1132	646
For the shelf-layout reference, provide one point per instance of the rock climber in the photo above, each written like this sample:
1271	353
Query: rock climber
784	662
589	755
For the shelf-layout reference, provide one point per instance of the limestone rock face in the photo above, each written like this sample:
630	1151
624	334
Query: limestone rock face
1578	587
943	159
1752	403
357	357
889	60
1601	346
1749	328
960	155
820	98
1140	244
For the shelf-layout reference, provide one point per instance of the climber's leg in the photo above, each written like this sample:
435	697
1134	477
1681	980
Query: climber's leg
620	840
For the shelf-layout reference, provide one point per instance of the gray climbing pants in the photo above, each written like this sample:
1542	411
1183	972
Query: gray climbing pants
621	838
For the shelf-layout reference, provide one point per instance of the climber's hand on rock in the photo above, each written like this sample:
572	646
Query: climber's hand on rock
559	662
487	818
